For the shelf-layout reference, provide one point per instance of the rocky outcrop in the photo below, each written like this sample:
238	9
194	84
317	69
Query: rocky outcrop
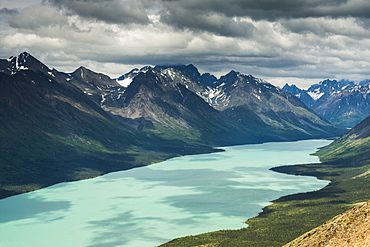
352	228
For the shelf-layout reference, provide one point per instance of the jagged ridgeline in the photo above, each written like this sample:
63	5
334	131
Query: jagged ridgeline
59	126
343	103
180	102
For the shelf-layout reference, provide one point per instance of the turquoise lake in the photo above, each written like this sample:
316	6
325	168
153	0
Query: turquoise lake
148	206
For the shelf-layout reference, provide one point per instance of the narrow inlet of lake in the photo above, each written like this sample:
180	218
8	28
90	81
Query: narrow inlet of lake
148	206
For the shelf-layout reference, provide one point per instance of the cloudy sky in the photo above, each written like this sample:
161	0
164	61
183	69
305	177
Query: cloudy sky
300	42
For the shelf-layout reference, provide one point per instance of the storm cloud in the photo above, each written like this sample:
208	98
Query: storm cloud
215	16
273	10
7	11
110	11
281	41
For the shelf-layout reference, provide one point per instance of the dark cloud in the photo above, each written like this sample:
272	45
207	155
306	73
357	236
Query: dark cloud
221	17
325	27
7	11
231	18
266	38
271	9
210	22
110	11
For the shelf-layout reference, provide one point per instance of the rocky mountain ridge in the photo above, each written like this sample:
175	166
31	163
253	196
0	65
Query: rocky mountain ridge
242	102
343	103
53	128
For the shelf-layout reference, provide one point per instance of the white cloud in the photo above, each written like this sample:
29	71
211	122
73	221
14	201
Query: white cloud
32	41
37	16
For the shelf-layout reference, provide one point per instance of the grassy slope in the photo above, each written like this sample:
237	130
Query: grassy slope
345	164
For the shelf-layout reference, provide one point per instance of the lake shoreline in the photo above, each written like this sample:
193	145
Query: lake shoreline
8	190
297	213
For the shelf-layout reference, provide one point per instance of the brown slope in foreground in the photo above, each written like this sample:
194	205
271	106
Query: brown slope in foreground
351	228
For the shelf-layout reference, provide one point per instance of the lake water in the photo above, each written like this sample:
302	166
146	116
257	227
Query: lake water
151	205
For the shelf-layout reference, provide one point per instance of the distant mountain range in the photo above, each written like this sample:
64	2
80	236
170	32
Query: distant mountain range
179	101
58	126
343	103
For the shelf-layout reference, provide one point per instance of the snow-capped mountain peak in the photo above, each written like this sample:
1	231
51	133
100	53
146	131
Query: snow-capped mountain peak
126	79
18	63
344	103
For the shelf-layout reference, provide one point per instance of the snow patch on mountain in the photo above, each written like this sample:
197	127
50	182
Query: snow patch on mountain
126	79
125	82
315	95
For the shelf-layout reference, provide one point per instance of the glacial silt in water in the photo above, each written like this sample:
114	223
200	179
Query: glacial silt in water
151	205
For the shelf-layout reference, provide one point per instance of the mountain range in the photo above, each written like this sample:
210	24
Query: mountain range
343	103
179	101
58	126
